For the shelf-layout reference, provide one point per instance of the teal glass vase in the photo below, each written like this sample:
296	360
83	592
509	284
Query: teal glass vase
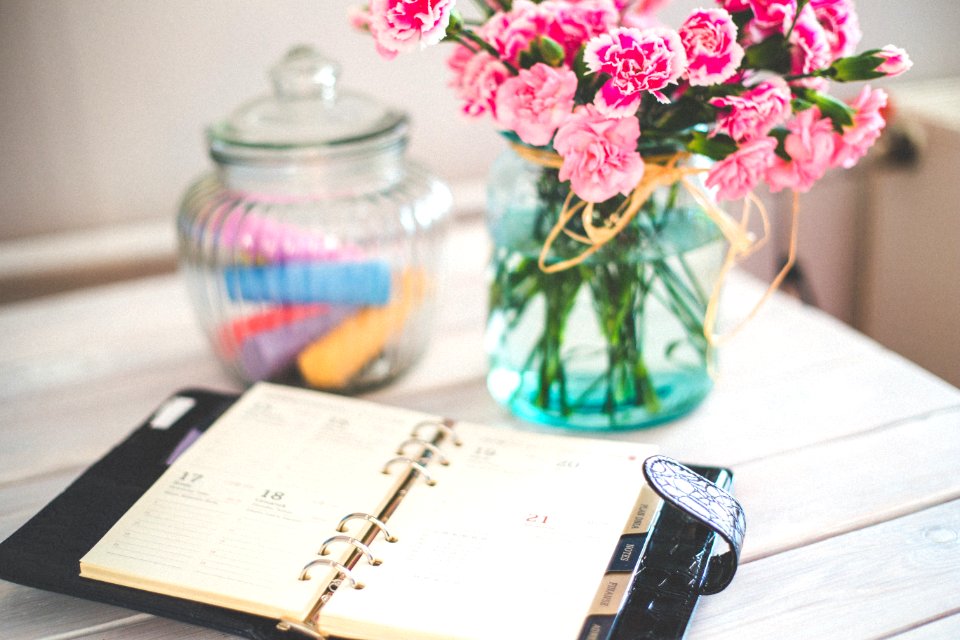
616	341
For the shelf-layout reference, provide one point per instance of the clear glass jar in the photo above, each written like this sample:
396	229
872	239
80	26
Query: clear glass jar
311	250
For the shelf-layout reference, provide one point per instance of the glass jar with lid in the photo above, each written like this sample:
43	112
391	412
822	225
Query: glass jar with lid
311	249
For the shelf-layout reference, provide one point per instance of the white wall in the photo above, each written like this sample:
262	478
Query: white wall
103	102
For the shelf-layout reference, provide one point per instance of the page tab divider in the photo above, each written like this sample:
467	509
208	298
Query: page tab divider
616	582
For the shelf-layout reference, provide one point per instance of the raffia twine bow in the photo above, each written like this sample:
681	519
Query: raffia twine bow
664	172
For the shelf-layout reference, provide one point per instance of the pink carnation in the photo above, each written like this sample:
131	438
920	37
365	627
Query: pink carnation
535	102
404	25
868	123
600	157
636	61
581	20
477	77
773	15
733	6
753	114
895	61
811	49
570	24
736	175
709	39
810	145
840	24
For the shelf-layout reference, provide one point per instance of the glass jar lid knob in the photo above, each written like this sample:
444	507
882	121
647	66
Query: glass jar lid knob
308	115
305	73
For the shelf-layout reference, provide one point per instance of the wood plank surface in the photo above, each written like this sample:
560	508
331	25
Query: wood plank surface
844	453
864	584
806	495
942	628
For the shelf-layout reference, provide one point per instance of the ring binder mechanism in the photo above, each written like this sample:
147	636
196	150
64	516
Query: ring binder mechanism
414	466
426	445
444	428
342	570
376	524
356	544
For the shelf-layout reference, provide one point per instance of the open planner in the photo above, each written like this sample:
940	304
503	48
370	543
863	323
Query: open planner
290	512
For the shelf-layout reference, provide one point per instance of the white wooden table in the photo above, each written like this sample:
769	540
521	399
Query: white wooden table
846	457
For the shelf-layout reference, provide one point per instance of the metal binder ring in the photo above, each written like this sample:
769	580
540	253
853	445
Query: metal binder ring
369	518
359	546
434	449
414	465
441	426
305	572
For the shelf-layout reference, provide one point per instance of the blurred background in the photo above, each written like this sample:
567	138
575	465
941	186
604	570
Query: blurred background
103	105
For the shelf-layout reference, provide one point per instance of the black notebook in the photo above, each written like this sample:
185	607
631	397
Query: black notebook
288	512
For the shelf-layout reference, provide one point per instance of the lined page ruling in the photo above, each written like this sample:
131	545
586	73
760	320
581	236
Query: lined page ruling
235	518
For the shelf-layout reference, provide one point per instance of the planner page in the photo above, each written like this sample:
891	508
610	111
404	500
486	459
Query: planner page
512	542
236	517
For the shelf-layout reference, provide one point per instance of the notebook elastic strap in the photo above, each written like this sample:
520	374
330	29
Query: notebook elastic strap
707	504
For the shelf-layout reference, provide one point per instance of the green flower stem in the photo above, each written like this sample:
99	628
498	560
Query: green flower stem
560	293
644	386
700	293
641	273
677	289
619	293
691	321
467	34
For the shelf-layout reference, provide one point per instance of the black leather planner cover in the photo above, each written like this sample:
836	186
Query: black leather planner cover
45	552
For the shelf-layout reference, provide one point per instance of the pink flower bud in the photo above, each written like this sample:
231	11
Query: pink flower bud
359	17
895	61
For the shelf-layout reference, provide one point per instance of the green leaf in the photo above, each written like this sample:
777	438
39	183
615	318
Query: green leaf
588	82
772	53
781	135
579	64
679	115
836	110
718	147
528	58
742	19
